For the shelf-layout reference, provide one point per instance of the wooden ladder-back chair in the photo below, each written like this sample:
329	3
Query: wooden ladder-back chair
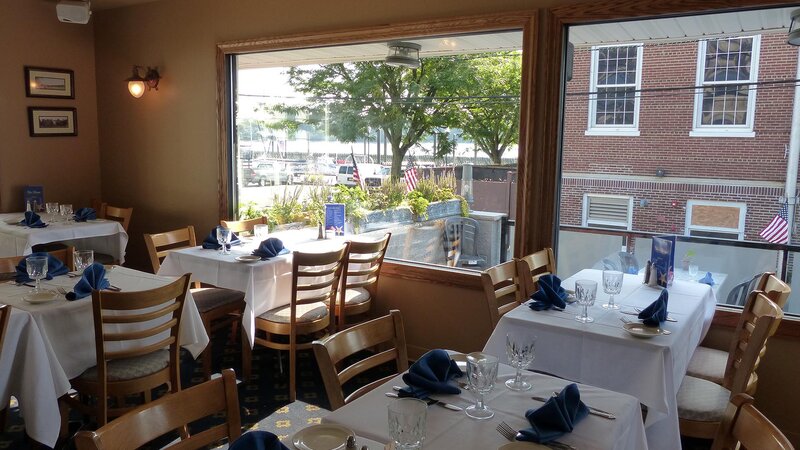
5	315
710	363
218	307
117	214
316	279
8	264
169	413
702	403
363	270
385	332
745	427
540	263
243	226
128	361
503	288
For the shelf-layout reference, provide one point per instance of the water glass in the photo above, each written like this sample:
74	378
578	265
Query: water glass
612	285
66	211
260	231
407	418
481	375
520	348
52	210
693	270
585	293
37	269
83	259
224	240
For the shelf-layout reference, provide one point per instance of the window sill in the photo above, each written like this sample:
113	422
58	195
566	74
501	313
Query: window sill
614	132
722	133
451	276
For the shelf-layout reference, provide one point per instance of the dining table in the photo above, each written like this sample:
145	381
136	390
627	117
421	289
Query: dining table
101	235
47	344
445	428
649	367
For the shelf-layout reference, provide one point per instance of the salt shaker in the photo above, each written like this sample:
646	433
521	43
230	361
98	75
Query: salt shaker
351	442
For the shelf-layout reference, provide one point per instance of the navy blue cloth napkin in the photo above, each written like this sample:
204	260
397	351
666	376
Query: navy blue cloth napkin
54	268
656	313
549	295
556	417
94	278
84	214
708	279
211	242
257	440
269	248
32	220
431	374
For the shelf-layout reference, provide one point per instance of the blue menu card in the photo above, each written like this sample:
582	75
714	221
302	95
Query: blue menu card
663	258
34	196
335	218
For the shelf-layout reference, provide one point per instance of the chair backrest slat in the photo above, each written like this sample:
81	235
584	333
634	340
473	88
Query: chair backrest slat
121	215
744	424
537	264
502	288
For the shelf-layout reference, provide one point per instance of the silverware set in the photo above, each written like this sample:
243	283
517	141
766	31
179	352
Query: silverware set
511	434
638	310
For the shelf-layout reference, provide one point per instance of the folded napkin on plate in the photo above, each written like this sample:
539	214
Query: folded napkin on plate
556	417
656	313
94	277
257	440
211	242
269	248
84	214
549	295
431	375
32	220
708	279
54	267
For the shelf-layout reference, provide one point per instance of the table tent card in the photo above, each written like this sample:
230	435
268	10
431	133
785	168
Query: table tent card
335	218
662	257
33	198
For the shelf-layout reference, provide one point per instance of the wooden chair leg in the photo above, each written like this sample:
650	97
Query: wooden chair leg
247	357
292	387
63	409
206	358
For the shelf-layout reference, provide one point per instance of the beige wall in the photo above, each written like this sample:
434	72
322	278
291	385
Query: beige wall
67	167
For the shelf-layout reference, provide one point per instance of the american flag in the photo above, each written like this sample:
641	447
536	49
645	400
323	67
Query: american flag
356	176
411	178
777	231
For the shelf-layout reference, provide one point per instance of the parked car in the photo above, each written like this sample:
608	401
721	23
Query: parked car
376	179
345	173
298	172
265	173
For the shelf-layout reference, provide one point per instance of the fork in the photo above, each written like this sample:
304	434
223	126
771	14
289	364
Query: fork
511	434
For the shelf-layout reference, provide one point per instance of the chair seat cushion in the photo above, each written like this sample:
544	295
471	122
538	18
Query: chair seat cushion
708	364
305	313
356	296
131	368
702	400
207	299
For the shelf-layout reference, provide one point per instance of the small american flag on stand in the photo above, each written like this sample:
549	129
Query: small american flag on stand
411	178
777	231
356	176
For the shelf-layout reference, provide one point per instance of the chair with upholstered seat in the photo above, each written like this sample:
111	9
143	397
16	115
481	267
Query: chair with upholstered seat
243	226
360	285
710	363
504	287
537	264
316	279
218	307
386	333
702	403
745	427
172	412
137	349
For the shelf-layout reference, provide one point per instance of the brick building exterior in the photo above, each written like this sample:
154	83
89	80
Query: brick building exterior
665	166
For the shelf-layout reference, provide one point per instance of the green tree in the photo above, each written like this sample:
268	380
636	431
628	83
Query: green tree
491	118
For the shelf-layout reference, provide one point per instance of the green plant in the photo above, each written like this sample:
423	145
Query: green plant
427	189
418	204
464	206
286	208
250	210
389	195
314	206
354	199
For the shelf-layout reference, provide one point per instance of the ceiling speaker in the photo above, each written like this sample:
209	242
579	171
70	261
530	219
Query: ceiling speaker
74	11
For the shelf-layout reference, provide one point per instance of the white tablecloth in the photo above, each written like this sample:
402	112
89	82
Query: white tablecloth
603	354
104	236
446	429
48	344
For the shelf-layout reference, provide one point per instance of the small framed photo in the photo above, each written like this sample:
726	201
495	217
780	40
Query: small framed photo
49	83
44	121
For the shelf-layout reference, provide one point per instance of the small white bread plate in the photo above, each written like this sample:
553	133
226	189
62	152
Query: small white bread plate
248	258
641	330
43	296
322	437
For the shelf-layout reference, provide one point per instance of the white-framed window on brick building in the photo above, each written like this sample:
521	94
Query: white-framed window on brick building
725	98
608	211
712	219
614	90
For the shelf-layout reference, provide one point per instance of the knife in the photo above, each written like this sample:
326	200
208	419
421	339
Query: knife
428	400
593	411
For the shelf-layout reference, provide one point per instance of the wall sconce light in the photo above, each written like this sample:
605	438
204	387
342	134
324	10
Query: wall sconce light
660	172
794	28
137	84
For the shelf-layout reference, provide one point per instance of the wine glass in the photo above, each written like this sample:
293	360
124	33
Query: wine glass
260	231
66	211
693	269
223	239
82	259
52	210
612	285
585	292
520	348
37	269
481	374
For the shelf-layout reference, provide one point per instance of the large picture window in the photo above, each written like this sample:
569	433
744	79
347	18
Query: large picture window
615	80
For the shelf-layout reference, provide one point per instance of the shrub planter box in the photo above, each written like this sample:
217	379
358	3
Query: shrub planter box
439	210
386	218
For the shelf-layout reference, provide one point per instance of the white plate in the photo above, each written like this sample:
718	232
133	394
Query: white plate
248	258
41	297
521	445
641	330
322	437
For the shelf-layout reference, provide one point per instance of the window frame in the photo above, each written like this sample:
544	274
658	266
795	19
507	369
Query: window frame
746	130
593	129
688	227
587	222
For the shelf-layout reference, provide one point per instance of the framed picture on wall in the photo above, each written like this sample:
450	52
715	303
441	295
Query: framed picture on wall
50	83
45	121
